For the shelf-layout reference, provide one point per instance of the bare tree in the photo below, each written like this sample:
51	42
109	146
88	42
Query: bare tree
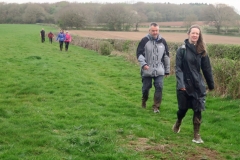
11	13
3	12
154	16
237	23
114	15
72	16
138	18
218	14
34	13
189	20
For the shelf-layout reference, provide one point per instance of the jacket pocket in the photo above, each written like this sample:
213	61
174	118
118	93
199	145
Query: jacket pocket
189	86
147	73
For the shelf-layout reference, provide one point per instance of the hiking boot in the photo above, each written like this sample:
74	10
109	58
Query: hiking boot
197	139
176	126
143	104
156	110
196	128
157	101
144	101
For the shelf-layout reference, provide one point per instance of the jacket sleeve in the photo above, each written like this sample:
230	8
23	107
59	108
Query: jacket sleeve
166	58
166	47
141	53
207	71
179	69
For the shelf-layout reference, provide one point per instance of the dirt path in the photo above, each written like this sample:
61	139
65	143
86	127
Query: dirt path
170	37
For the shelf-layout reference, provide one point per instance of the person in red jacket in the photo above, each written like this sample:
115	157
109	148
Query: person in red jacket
50	36
68	39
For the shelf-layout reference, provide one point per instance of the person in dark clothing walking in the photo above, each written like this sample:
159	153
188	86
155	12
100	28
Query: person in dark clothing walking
50	36
191	59
153	57
42	35
61	38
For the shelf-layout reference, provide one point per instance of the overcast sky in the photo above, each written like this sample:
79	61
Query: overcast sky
233	3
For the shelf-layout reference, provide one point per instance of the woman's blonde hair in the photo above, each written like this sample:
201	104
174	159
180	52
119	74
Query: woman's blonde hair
200	46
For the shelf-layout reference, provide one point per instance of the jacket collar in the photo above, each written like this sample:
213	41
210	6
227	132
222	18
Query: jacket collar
150	37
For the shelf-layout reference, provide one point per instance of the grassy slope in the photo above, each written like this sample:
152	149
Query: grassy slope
80	105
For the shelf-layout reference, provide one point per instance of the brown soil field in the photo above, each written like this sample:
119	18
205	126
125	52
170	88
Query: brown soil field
170	37
175	23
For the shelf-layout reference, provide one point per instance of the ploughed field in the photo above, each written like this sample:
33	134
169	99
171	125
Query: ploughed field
169	36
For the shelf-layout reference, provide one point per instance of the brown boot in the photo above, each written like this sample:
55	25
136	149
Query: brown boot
144	100
196	127
176	126
157	101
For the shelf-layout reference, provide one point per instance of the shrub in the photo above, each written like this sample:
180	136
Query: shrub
226	77
105	48
126	45
224	51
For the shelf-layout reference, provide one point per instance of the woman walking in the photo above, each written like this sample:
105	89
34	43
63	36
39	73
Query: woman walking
191	59
67	40
61	38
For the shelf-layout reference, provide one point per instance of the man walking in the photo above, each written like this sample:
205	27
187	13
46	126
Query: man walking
153	57
42	35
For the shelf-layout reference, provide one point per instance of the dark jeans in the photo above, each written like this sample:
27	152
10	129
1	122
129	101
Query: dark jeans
42	39
50	40
66	45
147	85
61	45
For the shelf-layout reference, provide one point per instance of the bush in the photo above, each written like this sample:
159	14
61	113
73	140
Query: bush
224	51
105	48
226	77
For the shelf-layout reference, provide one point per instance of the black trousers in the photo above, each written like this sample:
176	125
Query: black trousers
186	102
43	39
61	45
66	45
50	40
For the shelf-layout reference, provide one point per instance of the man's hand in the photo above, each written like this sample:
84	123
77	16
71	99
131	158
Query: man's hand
146	67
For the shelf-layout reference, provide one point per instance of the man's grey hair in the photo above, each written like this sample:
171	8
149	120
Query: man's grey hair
153	24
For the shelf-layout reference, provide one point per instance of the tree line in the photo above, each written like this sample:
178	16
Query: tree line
117	16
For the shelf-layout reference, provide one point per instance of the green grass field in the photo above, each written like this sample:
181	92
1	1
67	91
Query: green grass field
79	105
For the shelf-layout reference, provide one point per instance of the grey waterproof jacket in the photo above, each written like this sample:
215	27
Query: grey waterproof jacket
189	68
155	54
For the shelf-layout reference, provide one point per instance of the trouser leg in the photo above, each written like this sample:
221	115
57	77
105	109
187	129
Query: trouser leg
157	99
147	85
66	46
182	98
61	45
